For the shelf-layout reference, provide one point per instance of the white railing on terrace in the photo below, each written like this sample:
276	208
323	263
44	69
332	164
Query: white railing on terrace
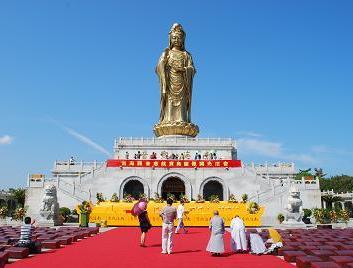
123	141
347	195
272	168
77	166
282	188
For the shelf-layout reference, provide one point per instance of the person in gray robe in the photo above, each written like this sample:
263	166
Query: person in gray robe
216	242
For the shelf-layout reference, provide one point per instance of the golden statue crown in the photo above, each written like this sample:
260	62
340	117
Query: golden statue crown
177	29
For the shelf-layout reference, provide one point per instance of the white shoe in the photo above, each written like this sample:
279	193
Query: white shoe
169	252
164	252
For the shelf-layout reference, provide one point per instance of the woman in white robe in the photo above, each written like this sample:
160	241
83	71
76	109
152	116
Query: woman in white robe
238	236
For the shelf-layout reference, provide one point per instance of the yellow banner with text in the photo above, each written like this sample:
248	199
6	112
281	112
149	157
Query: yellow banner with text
196	214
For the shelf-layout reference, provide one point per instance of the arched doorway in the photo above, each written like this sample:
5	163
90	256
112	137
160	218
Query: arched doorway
212	188
174	186
134	188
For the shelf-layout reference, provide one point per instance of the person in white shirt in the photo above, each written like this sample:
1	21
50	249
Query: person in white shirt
180	215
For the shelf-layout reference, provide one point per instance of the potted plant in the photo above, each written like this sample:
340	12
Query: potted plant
280	218
184	198
65	213
214	198
199	199
232	199
85	209
253	207
244	198
143	196
307	215
171	196
128	198
114	198
3	213
158	198
100	198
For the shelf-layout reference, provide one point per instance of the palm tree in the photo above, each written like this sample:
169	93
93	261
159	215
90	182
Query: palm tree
330	199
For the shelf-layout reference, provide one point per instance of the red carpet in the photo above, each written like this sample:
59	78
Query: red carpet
119	248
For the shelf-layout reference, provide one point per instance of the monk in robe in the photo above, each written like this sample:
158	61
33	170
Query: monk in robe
238	236
216	242
275	240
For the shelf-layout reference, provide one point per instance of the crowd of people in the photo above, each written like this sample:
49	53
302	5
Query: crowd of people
174	156
239	241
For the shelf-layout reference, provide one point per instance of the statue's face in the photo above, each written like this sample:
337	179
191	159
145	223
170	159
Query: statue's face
177	40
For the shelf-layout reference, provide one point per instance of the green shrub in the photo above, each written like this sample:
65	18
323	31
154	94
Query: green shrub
244	198
280	217
65	212
307	212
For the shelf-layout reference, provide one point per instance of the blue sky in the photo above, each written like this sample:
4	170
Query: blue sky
275	75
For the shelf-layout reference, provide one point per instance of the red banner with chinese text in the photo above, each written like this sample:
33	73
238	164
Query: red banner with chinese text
158	163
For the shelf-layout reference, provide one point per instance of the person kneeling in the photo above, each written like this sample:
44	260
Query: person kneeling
26	237
275	240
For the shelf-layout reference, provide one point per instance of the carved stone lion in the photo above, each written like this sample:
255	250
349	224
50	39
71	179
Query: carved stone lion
294	210
49	210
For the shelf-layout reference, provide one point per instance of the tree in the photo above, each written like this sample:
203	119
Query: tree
18	194
306	173
339	183
330	199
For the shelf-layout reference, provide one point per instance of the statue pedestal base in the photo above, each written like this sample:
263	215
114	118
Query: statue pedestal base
293	224
176	128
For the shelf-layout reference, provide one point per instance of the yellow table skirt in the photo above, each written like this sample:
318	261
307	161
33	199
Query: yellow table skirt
197	214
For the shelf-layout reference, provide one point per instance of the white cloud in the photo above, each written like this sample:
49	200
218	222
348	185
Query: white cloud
320	149
6	139
273	150
328	150
86	140
249	134
260	147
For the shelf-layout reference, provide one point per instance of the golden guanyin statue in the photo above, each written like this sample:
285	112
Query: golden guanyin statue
175	70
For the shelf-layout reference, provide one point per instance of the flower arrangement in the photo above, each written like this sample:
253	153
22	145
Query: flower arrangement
199	199
85	207
114	198
171	196
232	199
184	198
3	212
143	196
100	197
214	198
129	198
333	216
253	207
244	198
19	214
157	198
280	217
344	215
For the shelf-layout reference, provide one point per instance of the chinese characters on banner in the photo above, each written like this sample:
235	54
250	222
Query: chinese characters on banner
154	163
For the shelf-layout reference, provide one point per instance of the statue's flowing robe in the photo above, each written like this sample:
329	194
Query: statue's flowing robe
176	87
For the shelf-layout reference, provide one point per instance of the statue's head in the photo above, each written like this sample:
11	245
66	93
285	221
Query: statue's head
50	190
294	192
177	37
